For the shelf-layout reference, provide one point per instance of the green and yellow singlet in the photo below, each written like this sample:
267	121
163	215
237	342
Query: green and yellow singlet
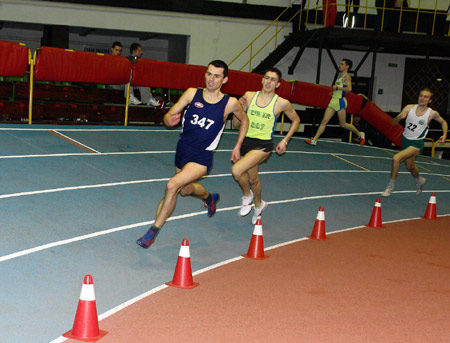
340	83
262	120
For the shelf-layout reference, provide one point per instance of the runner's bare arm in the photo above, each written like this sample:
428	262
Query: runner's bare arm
444	126
173	117
235	107
402	114
287	108
244	101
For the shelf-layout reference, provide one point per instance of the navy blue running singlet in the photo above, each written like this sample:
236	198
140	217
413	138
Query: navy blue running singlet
203	123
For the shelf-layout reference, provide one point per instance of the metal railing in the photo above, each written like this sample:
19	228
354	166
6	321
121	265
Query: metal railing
274	37
383	14
434	144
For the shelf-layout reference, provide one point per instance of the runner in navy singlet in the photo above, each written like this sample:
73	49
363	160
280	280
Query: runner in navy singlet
203	123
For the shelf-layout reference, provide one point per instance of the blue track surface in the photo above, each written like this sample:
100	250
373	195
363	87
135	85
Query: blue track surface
67	212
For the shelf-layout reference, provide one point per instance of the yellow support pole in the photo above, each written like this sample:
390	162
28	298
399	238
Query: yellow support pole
365	16
251	58
400	17
127	103
276	36
434	17
260	34
282	123
350	135
433	147
307	15
317	14
30	101
417	18
382	16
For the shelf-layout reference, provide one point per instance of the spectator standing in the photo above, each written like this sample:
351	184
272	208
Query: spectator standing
146	95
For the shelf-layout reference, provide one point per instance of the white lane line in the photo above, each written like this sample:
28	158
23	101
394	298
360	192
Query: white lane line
63	189
87	130
225	132
90	154
114	184
144	295
182	216
217	151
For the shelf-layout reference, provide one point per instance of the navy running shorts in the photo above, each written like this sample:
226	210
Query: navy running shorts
186	154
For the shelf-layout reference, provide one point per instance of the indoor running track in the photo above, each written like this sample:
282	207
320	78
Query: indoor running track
75	199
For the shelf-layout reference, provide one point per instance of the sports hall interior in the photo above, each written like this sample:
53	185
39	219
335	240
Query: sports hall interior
83	170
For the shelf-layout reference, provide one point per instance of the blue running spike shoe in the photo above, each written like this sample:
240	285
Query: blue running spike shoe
212	206
148	239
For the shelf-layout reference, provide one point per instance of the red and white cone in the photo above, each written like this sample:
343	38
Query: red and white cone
375	219
430	213
319	226
256	247
182	278
85	326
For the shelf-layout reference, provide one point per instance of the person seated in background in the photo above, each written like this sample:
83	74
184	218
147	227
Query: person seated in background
146	95
359	123
116	49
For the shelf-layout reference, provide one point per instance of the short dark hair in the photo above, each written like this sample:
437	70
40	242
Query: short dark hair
276	71
220	64
116	44
348	62
134	47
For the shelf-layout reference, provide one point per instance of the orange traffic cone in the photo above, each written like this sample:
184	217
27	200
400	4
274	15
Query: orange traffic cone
182	278
430	213
85	326
375	219
319	226
256	247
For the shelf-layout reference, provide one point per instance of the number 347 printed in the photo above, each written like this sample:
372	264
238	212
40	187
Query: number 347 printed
203	122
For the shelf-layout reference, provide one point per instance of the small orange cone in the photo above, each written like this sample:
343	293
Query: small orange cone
256	247
430	213
375	219
85	326
182	278
319	226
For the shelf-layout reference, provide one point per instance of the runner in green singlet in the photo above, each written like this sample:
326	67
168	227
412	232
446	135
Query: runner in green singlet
338	104
263	110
